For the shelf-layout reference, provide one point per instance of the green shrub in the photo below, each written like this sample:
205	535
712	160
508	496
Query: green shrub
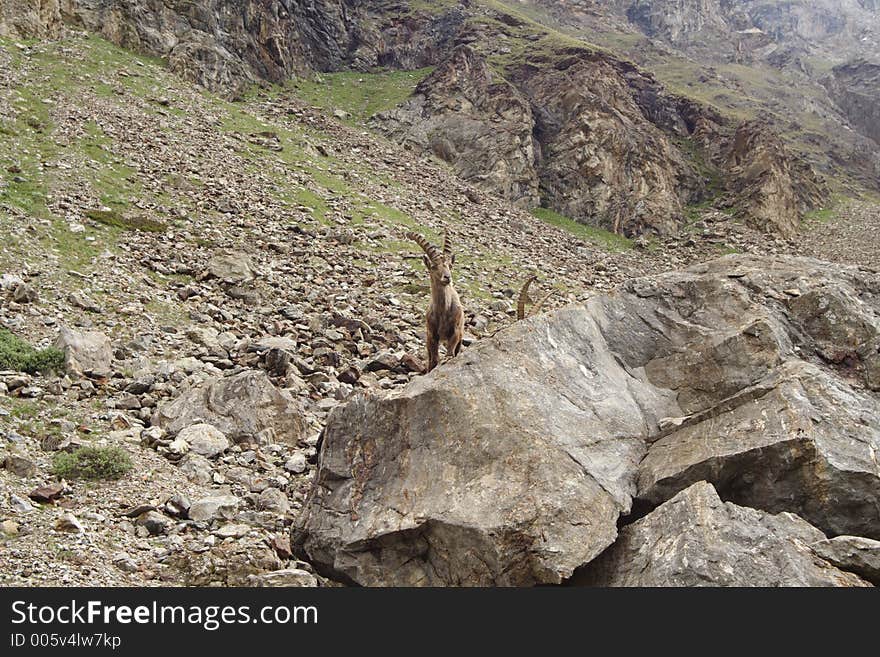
92	463
18	355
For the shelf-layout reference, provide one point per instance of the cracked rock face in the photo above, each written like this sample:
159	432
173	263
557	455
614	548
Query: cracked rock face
853	553
772	186
513	463
695	539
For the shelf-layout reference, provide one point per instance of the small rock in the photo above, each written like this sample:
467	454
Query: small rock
154	522
69	523
178	505
412	363
127	402
286	577
20	465
204	439
124	562
19	504
274	500
232	531
384	361
9	528
349	375
230	268
177	447
80	300
85	352
24	293
214	508
48	493
296	463
196	468
281	545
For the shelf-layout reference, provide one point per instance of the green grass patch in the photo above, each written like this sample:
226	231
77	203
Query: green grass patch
18	355
360	95
600	237
92	463
822	215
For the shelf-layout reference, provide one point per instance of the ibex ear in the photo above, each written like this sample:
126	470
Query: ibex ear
452	260
426	261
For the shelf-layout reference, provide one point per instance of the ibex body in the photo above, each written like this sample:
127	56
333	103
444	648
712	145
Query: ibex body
445	316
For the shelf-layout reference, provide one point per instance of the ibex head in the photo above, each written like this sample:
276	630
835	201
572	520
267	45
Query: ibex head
439	265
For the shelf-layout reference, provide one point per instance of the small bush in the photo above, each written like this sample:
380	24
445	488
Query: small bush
92	463
18	355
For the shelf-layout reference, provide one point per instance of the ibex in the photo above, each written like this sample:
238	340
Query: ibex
445	316
524	297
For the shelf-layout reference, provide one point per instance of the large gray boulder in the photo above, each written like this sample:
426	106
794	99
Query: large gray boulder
512	463
772	383
695	539
86	353
801	440
244	407
509	466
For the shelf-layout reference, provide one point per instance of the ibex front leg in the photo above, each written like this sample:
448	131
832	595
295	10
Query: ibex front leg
433	343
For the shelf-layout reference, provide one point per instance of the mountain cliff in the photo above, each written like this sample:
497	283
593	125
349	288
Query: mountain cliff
521	104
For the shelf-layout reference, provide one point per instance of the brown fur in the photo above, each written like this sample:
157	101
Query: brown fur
444	321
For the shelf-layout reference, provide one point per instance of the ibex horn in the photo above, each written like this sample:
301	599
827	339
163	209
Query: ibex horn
447	247
537	307
523	298
427	247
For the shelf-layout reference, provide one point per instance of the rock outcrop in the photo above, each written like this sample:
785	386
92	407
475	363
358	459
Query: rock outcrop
677	22
474	119
30	19
606	132
766	182
695	539
225	45
514	463
584	134
245	407
855	89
